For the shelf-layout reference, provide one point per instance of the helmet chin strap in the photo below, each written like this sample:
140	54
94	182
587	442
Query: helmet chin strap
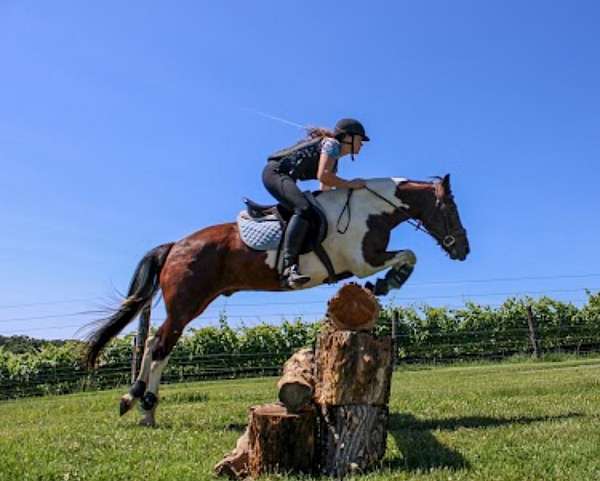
351	143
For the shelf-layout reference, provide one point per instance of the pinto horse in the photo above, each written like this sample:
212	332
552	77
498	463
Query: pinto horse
214	261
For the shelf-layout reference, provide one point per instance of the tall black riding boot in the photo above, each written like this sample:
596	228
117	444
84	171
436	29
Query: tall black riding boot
292	243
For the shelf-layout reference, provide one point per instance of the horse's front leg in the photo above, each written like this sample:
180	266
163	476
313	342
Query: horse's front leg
402	266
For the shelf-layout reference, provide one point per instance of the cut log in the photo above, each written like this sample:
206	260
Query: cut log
352	439
235	464
352	368
353	307
296	386
280	441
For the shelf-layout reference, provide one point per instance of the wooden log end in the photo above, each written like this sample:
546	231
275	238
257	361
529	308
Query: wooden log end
295	396
296	386
353	308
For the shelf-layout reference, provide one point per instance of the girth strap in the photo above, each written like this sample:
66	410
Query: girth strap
324	258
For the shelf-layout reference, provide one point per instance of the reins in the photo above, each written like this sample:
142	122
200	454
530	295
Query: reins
346	206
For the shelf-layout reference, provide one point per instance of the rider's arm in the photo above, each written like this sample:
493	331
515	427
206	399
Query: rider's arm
328	179
326	174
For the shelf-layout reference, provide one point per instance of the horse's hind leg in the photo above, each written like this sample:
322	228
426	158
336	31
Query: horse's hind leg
150	399
138	389
190	280
166	337
157	357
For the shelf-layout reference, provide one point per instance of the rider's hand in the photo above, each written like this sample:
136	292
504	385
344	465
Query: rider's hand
357	184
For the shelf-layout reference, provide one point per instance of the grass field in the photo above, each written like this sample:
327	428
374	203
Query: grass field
525	421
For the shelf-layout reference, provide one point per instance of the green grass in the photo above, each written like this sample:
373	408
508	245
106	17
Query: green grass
523	421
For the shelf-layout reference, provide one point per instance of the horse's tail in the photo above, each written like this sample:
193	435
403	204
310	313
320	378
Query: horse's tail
144	285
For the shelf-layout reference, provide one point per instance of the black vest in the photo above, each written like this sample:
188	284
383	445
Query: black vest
300	161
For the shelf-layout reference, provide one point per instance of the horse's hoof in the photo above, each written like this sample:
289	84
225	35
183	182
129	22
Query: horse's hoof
148	423
124	406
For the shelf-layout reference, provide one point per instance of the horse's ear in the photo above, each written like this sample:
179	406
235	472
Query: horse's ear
446	184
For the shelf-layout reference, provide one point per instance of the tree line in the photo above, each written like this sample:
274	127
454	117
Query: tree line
423	334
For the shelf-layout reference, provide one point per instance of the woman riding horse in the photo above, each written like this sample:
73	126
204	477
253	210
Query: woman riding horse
313	158
213	261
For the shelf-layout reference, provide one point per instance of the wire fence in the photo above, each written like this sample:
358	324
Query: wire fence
54	377
477	333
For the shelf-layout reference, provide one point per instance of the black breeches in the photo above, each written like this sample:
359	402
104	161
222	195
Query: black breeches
285	190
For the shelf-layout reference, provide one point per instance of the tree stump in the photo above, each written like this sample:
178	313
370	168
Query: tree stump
353	307
296	386
281	441
352	439
352	368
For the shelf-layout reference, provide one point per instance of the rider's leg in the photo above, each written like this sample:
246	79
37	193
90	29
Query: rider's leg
285	190
292	243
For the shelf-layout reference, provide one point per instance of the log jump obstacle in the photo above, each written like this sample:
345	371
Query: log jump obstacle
332	415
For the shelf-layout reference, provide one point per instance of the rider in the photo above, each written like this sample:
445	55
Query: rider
315	157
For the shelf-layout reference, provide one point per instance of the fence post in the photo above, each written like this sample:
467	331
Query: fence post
533	335
394	338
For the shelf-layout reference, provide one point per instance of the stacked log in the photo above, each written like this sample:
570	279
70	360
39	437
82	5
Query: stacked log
352	368
352	391
280	441
296	386
332	417
352	438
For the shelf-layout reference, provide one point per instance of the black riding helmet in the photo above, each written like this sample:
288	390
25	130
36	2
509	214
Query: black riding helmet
350	127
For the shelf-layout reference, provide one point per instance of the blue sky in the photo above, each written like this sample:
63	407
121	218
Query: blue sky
128	124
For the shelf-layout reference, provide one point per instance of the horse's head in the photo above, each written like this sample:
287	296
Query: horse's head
442	221
433	205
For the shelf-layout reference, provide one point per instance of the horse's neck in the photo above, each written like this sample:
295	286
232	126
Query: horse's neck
363	201
415	196
418	195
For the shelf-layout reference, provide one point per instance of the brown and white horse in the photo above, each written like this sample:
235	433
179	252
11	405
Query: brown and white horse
214	261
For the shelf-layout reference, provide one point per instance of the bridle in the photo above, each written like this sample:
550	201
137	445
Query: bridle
448	239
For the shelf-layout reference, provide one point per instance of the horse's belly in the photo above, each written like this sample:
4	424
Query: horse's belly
312	266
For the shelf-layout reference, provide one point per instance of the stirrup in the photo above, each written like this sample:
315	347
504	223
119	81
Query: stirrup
293	278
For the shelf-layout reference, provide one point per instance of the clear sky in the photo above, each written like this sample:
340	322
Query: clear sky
128	124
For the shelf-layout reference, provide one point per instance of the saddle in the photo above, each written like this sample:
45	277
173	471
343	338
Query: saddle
262	228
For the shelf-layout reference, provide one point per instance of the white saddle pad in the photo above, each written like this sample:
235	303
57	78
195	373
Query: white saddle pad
261	234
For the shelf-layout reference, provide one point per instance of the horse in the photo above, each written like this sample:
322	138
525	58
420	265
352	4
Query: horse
214	261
